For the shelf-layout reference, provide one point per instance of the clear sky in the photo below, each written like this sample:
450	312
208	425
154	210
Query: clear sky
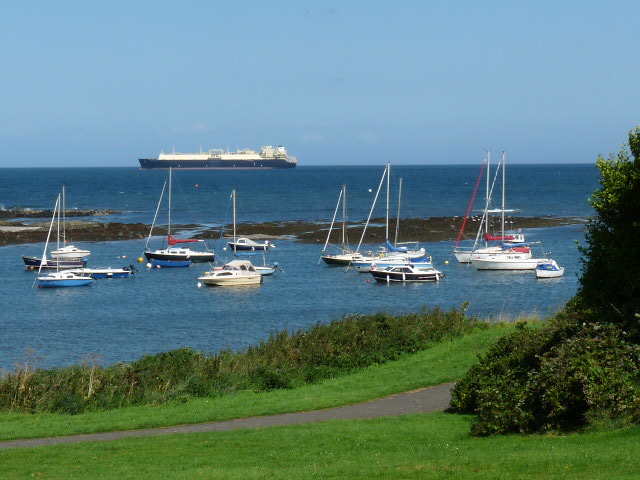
102	83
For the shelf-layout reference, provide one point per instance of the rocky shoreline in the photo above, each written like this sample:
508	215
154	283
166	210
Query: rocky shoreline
425	230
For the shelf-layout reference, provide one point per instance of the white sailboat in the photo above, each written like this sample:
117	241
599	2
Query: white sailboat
244	244
174	252
58	278
462	254
506	258
67	252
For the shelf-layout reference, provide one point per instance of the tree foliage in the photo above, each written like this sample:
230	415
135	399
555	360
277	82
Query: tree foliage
610	284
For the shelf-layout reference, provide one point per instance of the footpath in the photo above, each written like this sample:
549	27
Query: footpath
424	400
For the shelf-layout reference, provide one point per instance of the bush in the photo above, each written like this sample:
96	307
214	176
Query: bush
559	377
285	360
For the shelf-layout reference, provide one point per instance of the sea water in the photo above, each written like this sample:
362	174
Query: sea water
157	310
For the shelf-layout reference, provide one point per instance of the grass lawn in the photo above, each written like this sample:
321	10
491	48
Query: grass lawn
417	446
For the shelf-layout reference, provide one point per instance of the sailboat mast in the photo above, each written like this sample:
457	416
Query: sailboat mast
233	198
387	216
395	242
487	199
504	177
169	217
64	218
58	214
344	217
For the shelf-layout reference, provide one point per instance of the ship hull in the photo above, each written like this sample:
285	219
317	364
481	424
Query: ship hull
263	164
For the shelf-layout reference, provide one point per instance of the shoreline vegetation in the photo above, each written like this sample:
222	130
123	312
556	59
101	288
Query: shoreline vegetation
433	229
286	360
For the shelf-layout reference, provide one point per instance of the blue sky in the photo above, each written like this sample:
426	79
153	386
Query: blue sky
102	83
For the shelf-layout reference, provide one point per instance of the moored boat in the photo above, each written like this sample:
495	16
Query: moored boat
108	272
37	263
407	273
63	279
173	252
549	269
236	272
244	244
505	261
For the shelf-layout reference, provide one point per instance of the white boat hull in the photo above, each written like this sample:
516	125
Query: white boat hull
505	262
69	252
222	281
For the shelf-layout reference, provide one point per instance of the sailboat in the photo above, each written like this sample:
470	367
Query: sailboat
67	252
390	254
59	278
238	246
508	258
345	255
174	255
462	254
244	244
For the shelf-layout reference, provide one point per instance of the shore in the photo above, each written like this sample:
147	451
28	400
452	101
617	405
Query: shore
431	229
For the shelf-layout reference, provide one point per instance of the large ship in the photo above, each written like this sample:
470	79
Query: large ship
267	157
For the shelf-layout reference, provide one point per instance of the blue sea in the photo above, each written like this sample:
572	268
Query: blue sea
119	320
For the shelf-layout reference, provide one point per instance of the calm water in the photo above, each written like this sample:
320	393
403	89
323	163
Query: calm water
158	310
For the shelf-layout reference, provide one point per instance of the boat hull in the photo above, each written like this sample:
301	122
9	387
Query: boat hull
260	247
231	281
340	259
191	256
549	270
390	277
100	273
159	263
33	263
63	279
504	262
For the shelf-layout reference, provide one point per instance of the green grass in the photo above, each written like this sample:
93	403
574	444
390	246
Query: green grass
443	362
418	446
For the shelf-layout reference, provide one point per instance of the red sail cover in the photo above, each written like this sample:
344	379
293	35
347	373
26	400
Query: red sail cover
506	238
173	241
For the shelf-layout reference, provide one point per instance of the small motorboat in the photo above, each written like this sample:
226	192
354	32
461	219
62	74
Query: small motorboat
406	273
549	269
367	264
236	272
108	272
266	270
246	244
63	279
69	252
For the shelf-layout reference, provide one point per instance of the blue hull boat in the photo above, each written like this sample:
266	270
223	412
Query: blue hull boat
157	263
63	279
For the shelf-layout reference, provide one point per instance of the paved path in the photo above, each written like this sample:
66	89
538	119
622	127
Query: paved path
425	400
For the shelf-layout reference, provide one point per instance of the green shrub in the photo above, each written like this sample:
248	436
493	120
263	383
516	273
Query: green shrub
284	360
559	377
